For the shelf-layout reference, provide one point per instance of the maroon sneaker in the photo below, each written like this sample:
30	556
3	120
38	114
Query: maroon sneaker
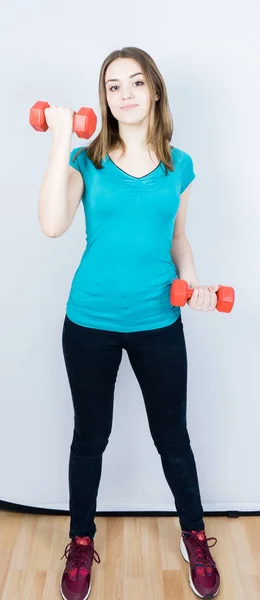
203	575
75	581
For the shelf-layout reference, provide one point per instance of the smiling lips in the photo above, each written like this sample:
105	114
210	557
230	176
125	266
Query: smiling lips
128	106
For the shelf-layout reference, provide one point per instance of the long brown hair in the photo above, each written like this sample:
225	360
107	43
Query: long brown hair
160	127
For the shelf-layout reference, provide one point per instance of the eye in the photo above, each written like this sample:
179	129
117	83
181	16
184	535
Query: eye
115	86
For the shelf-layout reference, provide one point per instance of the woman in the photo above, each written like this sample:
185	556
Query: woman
134	187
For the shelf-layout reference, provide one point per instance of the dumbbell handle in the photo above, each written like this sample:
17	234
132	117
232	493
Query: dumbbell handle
191	290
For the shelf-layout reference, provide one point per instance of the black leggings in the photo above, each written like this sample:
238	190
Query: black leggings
158	358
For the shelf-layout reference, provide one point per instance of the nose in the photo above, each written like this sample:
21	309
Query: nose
127	94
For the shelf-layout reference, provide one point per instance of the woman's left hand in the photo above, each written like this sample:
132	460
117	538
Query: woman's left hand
204	297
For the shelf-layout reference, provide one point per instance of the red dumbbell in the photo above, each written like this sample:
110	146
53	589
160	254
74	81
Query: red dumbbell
180	293
84	122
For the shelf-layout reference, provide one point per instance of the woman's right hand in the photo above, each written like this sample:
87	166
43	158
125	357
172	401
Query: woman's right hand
59	119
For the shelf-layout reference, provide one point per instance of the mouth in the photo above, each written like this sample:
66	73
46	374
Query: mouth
128	106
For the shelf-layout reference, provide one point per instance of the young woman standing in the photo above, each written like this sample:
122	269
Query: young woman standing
135	188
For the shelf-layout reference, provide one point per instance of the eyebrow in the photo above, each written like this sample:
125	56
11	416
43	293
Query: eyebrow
130	76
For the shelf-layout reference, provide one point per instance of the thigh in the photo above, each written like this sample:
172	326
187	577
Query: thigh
159	360
92	358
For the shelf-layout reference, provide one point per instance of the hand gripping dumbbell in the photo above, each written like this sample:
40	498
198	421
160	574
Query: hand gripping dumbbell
180	293
84	121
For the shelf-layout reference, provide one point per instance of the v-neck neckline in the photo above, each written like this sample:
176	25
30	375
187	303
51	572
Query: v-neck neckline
133	176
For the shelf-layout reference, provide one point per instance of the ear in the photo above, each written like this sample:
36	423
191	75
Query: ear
157	97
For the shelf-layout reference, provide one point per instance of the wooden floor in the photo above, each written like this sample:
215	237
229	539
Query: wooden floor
140	557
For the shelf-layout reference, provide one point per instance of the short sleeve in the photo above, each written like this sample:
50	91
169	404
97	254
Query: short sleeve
74	161
187	172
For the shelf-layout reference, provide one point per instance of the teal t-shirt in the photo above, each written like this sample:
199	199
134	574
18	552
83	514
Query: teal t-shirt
124	277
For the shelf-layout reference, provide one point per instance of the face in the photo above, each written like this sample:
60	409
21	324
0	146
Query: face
129	89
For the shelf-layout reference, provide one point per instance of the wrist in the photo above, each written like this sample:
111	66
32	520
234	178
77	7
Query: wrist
191	281
193	284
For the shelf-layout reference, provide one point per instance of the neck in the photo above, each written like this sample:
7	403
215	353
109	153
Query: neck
134	137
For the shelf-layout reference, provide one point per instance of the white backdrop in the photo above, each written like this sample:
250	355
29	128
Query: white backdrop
209	56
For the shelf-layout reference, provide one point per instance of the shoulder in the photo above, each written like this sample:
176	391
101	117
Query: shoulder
180	156
185	165
79	154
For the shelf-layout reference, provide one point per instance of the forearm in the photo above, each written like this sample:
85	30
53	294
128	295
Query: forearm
182	257
53	204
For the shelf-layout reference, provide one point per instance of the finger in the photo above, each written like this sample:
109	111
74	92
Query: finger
201	298
213	288
206	301
194	297
197	305
190	302
213	301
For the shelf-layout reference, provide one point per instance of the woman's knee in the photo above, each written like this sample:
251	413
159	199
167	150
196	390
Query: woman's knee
89	442
177	443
